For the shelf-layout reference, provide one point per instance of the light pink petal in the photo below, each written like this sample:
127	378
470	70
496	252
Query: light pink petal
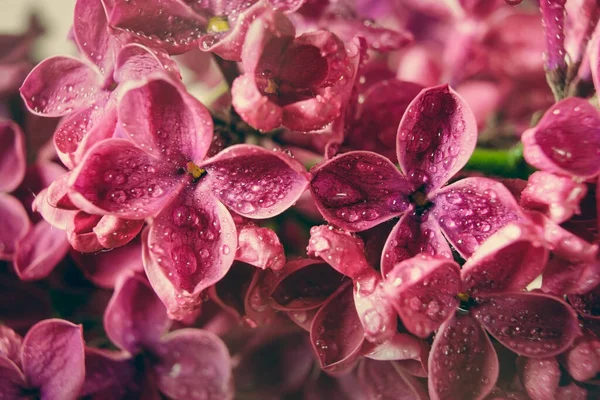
583	359
80	232
60	85
193	363
12	382
463	362
255	182
342	250
375	311
135	318
359	190
15	225
191	246
312	114
115	232
90	30
529	324
581	19
423	291
57	194
413	235
12	156
436	135
566	140
10	344
260	247
336	332
118	178
384	380
471	210
135	61
540	377
108	373
563	276
401	346
53	359
254	107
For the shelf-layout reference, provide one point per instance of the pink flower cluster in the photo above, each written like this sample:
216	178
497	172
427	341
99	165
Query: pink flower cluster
303	199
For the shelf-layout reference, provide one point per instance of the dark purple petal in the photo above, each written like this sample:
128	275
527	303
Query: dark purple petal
588	304
529	324
108	374
53	359
256	301
60	85
260	247
375	311
462	363
191	246
336	332
229	292
423	291
193	363
90	30
12	156
384	380
359	190
566	140
135	61
471	210
118	178
15	225
540	377
436	136
135	318
12	382
255	182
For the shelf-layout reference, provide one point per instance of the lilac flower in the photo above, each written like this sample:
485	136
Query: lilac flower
47	363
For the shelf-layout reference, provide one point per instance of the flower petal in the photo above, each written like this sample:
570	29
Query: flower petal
108	373
375	311
471	210
436	135
529	324
587	304
10	344
191	246
115	232
255	182
60	85
229	292
12	156
260	247
582	361
462	363
566	139
118	178
193	363
254	107
15	225
90	30
53	359
563	276
135	61
359	190
13	382
540	377
384	380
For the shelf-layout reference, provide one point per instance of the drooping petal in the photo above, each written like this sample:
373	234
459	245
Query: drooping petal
471	210
540	377
375	311
12	156
60	85
436	136
109	374
13	382
423	291
359	190
15	225
90	30
53	359
336	332
118	178
193	363
462	361
384	380
566	139
255	182
260	247
529	324
135	318
191	246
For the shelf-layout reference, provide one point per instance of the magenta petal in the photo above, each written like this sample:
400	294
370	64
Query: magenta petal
540	377
10	344
193	364
359	190
583	359
191	246
120	179
255	182
463	363
436	135
229	292
336	333
254	107
529	324
90	29
566	139
115	232
385	381
471	210
15	225
79	232
12	381
12	156
108	374
587	304
563	276
53	359
312	114
423	291
137	62
60	85
260	247
375	311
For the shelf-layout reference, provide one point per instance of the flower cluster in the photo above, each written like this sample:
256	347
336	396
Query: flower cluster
275	199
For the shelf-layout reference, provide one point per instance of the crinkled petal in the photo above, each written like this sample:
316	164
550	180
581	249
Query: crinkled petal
260	247
436	136
529	324
191	246
359	190
108	374
566	140
135	318
384	380
15	225
471	210
563	276
336	332
90	30
118	178
375	311
423	291
193	363
462	362
13	382
12	156
255	182
540	377
60	85
53	359
135	61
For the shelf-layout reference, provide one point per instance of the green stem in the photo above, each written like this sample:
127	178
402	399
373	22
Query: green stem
507	163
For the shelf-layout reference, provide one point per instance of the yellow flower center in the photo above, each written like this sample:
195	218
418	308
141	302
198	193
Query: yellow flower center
463	296
194	170
218	24
271	87
419	198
